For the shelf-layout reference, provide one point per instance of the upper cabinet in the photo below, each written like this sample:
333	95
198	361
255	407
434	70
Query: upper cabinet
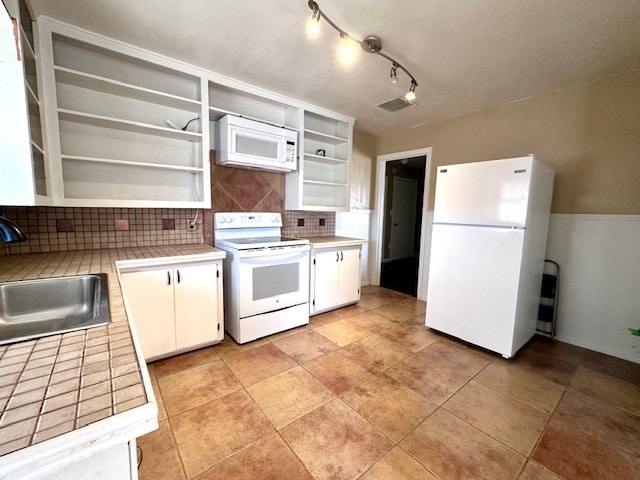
22	154
322	180
98	123
125	124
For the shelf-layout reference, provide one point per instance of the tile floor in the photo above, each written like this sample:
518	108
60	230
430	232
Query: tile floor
367	392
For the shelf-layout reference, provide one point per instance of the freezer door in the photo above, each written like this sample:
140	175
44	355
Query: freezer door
484	193
473	284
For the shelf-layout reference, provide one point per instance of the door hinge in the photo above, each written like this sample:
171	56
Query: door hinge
217	276
314	261
313	302
218	327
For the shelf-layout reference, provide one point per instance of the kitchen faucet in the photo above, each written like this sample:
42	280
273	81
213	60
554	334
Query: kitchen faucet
10	232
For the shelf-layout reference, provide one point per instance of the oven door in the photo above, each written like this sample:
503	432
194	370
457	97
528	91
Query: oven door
272	280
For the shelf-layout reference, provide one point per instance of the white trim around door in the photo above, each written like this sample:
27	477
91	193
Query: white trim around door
377	220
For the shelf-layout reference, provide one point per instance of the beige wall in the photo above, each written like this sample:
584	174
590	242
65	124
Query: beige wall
361	170
589	134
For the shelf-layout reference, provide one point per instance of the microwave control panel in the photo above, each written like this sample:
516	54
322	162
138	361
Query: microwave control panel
291	152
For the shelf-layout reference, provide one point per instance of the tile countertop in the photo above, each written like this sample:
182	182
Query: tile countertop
73	383
333	241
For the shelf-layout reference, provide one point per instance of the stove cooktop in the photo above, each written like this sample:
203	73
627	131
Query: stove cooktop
261	242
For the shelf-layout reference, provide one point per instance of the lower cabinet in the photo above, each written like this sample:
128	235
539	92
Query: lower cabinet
335	278
175	308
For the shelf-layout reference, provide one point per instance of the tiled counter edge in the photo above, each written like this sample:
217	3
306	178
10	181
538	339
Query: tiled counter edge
44	458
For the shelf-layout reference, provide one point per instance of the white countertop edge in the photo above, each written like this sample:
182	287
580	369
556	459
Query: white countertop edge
125	265
45	458
42	459
343	242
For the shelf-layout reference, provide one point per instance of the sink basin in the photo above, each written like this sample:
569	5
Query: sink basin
35	308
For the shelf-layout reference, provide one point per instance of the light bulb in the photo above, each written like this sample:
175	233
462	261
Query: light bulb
312	26
348	50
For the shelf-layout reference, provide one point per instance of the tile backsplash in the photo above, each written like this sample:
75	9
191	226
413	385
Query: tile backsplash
297	223
58	229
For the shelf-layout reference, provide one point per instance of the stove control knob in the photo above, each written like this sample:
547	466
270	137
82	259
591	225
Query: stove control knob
221	220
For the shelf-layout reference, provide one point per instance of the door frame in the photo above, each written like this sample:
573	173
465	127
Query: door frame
377	224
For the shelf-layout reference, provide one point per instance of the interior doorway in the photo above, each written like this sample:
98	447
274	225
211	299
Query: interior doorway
380	255
404	178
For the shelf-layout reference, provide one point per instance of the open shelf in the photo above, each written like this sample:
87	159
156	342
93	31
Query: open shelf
116	87
323	159
37	147
327	184
128	125
28	47
106	161
323	137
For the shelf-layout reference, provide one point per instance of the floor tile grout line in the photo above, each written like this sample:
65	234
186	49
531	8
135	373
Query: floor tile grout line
564	389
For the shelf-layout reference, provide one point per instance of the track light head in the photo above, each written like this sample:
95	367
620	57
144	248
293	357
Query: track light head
411	94
394	74
312	25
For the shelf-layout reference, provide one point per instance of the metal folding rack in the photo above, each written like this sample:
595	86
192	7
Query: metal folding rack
548	308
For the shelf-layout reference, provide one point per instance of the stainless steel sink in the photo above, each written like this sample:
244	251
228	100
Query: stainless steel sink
35	308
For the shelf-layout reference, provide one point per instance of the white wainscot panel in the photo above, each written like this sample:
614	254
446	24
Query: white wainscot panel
599	292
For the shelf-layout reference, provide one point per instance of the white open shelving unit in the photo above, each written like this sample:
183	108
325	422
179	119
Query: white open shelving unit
22	146
102	117
110	105
322	180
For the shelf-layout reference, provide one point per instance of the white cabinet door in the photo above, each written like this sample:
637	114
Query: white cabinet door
326	279
196	305
150	297
349	276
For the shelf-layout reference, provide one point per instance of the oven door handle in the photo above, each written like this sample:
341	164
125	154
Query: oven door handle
270	258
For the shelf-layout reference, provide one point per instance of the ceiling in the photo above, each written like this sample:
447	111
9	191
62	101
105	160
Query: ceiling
465	55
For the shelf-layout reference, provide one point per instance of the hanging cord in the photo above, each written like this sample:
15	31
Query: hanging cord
195	219
187	124
139	451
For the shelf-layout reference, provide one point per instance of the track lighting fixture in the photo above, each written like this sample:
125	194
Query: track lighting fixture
348	44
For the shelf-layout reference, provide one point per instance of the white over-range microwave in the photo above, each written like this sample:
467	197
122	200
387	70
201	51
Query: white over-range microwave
241	142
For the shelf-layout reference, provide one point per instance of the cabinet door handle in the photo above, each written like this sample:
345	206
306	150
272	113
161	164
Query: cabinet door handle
337	256
168	278
341	256
178	274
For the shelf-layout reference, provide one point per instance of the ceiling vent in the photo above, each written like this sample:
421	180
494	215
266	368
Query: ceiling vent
395	104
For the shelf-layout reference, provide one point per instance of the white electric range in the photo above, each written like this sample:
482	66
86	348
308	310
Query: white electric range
266	275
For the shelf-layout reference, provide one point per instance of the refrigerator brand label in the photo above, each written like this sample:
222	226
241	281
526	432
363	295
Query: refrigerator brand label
524	170
443	170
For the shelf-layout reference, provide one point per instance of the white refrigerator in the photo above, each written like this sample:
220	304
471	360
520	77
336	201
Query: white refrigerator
488	247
